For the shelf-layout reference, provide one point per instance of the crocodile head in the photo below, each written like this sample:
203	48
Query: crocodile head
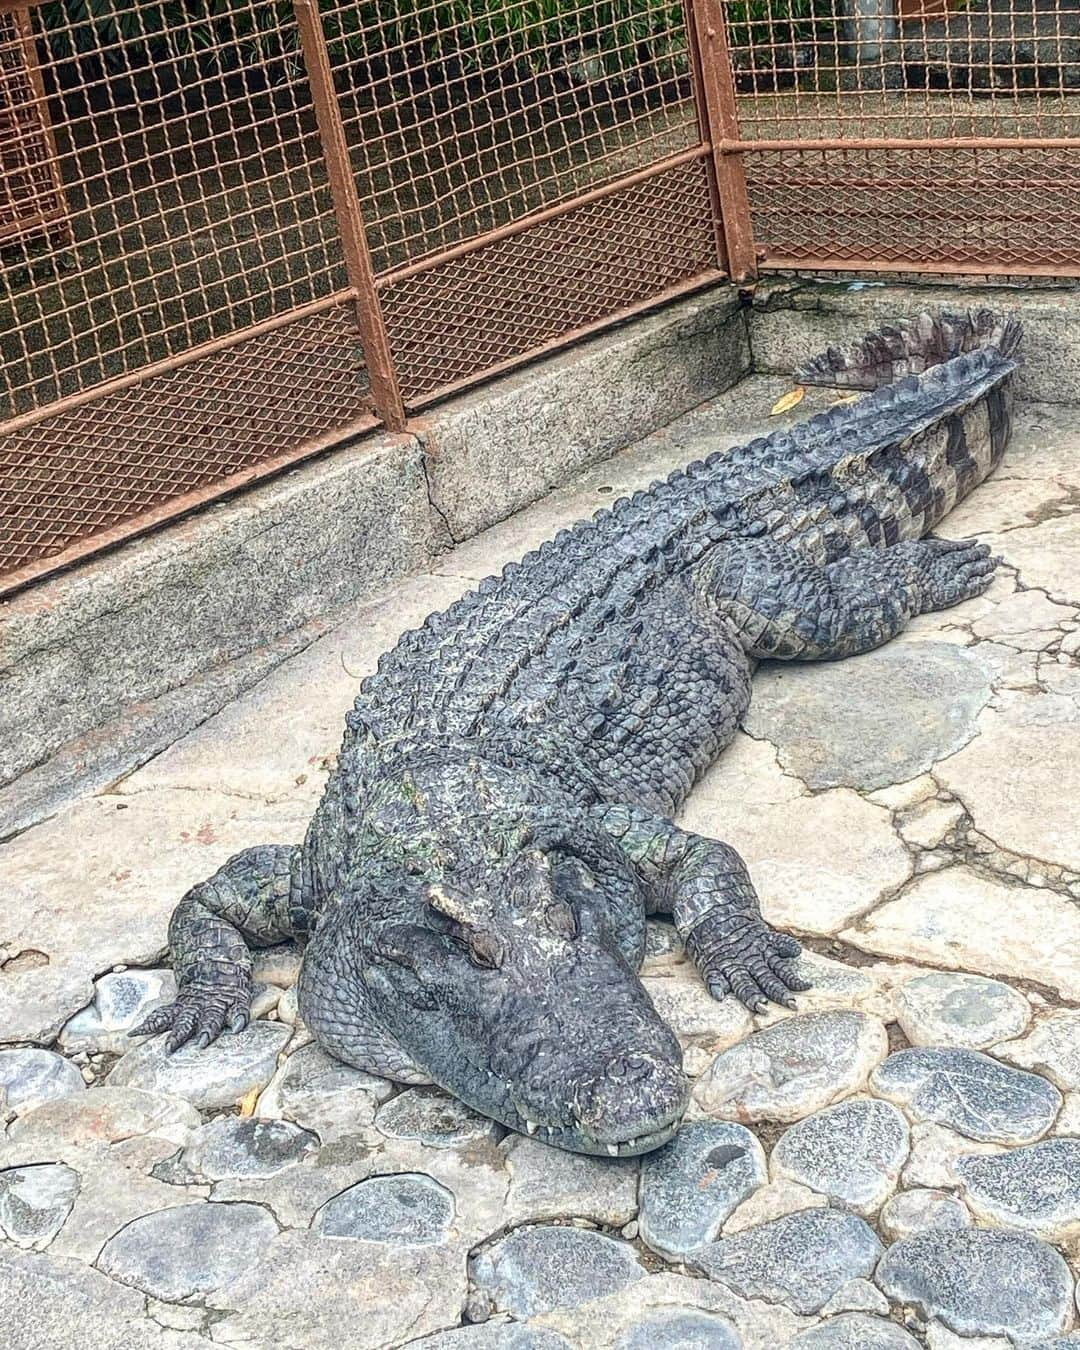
516	997
499	960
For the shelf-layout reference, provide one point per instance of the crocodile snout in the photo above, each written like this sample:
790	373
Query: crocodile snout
632	1104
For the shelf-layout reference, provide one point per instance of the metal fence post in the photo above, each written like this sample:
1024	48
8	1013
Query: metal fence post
715	92
385	390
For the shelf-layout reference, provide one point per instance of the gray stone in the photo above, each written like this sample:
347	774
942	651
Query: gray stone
855	1331
690	1186
853	1153
969	1092
535	1269
1052	1049
121	1001
694	1015
107	1115
493	1336
407	1210
35	1201
235	1146
981	1282
184	1253
946	1008
431	1117
793	1067
56	1303
936	692
1036	1188
800	1260
918	1210
548	1183
315	1291
323	1094
680	1329
857	1295
210	1077
29	1077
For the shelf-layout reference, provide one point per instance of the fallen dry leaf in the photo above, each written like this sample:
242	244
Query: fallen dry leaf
247	1104
789	401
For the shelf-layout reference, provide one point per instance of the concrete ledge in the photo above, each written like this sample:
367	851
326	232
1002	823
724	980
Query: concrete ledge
793	319
104	665
494	451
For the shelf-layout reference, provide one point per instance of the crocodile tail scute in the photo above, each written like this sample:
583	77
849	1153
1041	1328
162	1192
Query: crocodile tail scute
911	347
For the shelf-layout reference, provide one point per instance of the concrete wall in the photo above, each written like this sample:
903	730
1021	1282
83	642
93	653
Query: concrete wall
793	319
101	666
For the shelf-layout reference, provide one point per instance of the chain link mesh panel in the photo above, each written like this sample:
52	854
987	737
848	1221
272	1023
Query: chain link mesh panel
857	120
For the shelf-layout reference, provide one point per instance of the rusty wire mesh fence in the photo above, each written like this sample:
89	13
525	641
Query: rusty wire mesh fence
235	232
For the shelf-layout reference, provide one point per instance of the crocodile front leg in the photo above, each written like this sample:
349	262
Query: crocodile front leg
258	897
704	885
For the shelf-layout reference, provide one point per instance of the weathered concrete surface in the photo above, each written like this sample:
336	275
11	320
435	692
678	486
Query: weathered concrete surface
150	639
794	319
890	884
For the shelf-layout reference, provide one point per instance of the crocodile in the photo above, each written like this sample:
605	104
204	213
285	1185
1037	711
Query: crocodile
473	888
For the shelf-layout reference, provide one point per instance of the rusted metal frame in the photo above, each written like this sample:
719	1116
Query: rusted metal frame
739	147
168	512
708	28
170	363
976	266
20	16
697	78
567	339
385	389
542	217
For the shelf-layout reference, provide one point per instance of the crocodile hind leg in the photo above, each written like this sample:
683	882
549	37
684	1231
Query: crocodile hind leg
257	898
784	605
704	885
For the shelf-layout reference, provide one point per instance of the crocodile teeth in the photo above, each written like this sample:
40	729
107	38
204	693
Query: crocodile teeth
530	1126
613	1149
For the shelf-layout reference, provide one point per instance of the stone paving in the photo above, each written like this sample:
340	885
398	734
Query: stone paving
895	1164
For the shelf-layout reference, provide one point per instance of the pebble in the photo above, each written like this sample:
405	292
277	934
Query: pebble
406	1210
121	1000
969	1092
1052	1049
852	1152
35	1201
800	1260
241	1146
793	1068
29	1077
184	1253
536	1269
857	1296
691	1185
680	1329
211	1077
431	1117
855	1331
323	1094
548	1183
1036	1188
919	1210
949	1009
772	1201
990	1282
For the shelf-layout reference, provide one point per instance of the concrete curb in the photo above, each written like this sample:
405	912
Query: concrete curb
102	666
792	319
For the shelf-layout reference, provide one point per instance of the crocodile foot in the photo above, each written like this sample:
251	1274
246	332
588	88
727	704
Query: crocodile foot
745	957
951	570
199	1014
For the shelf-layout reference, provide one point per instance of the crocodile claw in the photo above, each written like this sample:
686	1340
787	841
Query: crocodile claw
198	1015
749	961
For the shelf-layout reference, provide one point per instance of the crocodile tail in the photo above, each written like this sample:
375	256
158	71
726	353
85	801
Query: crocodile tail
911	347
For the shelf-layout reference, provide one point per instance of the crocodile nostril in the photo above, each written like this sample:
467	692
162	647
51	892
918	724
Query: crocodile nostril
629	1067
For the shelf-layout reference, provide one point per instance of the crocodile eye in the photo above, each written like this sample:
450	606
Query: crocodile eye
485	951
